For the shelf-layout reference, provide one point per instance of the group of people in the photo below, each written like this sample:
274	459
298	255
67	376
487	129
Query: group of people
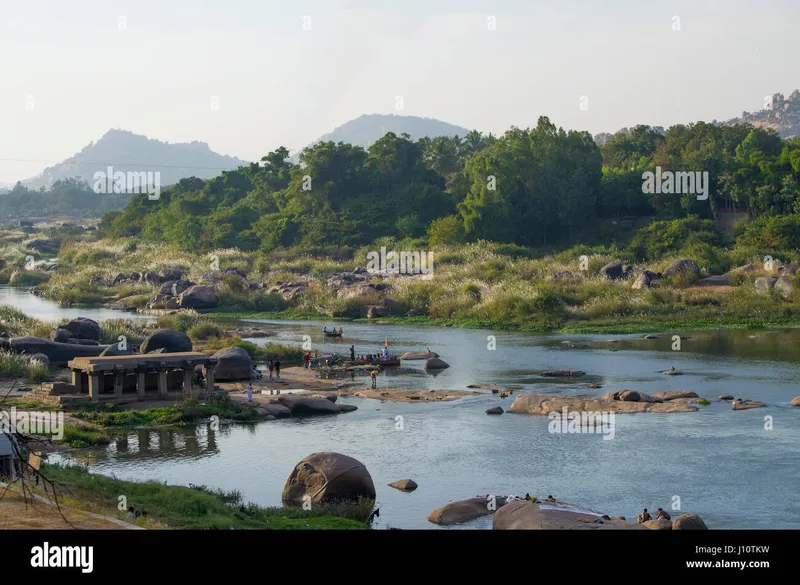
334	330
382	355
645	515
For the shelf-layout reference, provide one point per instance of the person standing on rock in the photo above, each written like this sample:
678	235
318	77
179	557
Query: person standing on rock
352	353
271	367
250	392
278	368
307	359
374	375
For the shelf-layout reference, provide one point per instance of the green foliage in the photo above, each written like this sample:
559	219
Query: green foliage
200	508
663	238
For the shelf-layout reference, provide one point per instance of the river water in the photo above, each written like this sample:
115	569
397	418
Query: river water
736	469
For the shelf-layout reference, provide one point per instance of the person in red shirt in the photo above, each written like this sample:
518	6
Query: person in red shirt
307	358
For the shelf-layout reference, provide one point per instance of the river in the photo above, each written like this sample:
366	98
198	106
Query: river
736	469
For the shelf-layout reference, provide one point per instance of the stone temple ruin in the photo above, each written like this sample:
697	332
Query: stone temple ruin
131	378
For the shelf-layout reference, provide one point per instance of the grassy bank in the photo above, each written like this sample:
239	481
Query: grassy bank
195	507
474	285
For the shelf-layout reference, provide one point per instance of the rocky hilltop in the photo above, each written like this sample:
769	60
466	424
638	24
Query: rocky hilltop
782	115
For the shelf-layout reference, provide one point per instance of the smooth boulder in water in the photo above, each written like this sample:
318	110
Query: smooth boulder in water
435	364
327	477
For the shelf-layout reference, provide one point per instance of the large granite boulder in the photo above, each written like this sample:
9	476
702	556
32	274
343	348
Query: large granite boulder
763	284
233	363
658	524
60	335
683	266
168	274
689	522
300	405
795	401
83	328
419	355
114	350
277	410
613	270
198	297
524	515
784	287
790	269
327	477
168	340
462	511
57	353
435	364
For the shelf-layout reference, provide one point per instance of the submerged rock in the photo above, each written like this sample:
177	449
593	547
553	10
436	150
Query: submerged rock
404	485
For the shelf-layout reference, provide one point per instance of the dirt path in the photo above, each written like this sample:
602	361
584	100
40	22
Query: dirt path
42	514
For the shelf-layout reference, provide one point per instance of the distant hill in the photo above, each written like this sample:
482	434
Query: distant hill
126	151
366	129
783	115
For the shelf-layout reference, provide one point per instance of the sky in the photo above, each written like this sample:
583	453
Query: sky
247	76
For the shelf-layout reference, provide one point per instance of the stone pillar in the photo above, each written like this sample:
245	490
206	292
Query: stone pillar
141	381
77	381
118	381
162	383
210	379
94	387
188	374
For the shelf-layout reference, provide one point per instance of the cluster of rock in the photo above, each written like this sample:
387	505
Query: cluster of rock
782	285
81	338
621	401
781	115
303	405
742	404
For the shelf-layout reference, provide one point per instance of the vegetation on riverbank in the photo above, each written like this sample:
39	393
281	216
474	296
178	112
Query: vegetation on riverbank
195	507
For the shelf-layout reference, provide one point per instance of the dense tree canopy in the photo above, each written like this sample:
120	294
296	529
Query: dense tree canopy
536	186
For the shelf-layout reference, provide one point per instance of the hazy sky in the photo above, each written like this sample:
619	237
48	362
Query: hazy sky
278	84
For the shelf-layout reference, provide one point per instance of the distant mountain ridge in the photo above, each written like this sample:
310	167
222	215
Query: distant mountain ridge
125	151
368	128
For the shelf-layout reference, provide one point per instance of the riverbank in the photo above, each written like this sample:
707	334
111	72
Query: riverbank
190	508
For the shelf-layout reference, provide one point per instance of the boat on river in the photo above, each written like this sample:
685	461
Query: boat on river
389	362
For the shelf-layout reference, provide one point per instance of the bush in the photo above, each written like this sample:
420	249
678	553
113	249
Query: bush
663	238
205	330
